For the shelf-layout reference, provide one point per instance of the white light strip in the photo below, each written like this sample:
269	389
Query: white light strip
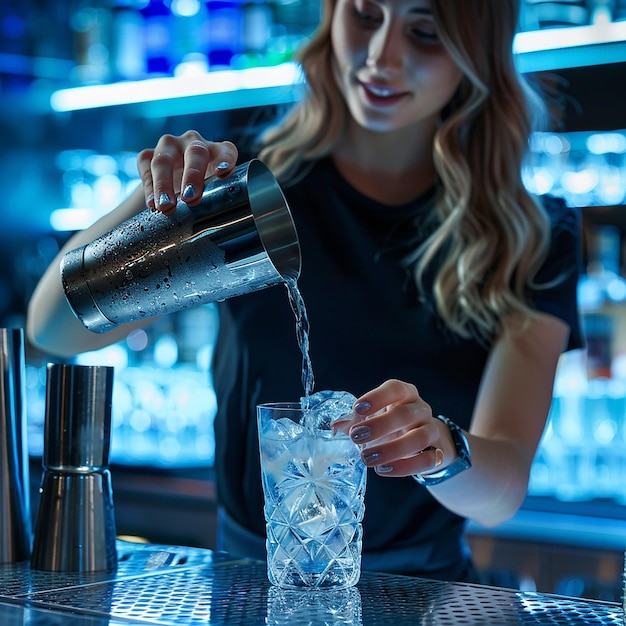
288	74
572	37
155	89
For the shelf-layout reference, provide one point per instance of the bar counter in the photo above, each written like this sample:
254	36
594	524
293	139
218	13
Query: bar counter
171	585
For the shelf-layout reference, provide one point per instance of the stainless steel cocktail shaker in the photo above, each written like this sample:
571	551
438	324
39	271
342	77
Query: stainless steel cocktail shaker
15	524
239	238
75	528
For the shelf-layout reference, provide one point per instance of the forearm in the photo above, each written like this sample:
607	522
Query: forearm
508	422
493	489
50	325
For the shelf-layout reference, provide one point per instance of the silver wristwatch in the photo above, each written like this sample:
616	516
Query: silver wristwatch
460	464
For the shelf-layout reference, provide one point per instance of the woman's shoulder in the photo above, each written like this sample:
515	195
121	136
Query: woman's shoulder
566	235
562	216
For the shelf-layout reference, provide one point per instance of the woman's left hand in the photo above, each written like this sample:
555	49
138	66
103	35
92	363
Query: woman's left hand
397	432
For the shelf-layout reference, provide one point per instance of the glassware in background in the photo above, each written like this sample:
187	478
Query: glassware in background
314	488
585	168
602	283
15	524
582	455
562	450
75	528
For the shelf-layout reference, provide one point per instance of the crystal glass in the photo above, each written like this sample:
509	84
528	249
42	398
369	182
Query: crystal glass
314	486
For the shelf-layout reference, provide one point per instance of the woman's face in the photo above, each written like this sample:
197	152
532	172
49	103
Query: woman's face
389	63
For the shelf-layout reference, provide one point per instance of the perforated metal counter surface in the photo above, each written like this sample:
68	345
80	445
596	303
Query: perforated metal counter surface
176	585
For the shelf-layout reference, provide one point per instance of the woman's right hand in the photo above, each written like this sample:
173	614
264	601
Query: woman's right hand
179	165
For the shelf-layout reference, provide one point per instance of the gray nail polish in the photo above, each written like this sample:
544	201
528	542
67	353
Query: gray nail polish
190	191
164	199
362	408
224	165
383	469
371	456
359	433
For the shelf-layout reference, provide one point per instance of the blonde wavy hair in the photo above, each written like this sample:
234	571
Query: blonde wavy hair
491	234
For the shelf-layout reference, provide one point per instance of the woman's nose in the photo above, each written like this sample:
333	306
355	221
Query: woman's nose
384	52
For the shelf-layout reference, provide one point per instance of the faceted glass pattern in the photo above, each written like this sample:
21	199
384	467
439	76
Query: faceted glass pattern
314	486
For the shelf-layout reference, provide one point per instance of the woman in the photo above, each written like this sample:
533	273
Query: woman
435	284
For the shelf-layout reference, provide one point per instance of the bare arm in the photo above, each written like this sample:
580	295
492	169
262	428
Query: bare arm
50	324
175	163
508	422
400	437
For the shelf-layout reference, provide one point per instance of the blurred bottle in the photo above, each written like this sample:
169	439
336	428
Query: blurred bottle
602	281
14	40
225	32
256	33
541	14
128	46
91	24
189	24
602	11
157	37
599	289
598	329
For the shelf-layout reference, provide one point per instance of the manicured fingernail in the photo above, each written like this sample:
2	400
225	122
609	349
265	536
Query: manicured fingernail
164	199
190	191
371	456
224	165
383	469
360	433
361	408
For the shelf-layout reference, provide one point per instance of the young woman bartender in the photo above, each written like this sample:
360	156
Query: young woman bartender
436	284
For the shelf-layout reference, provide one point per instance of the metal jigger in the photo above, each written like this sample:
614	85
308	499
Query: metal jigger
15	525
75	529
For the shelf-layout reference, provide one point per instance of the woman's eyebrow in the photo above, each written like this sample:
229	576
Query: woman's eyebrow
417	9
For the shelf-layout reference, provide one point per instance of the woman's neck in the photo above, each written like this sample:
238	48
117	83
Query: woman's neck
391	169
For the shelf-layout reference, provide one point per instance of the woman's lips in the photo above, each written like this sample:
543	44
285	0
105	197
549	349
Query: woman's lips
379	95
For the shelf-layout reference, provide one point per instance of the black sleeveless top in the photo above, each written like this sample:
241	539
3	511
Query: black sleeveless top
367	324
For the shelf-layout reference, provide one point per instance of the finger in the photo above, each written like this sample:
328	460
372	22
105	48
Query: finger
411	444
203	159
389	393
394	423
342	425
144	159
426	461
168	156
197	158
224	158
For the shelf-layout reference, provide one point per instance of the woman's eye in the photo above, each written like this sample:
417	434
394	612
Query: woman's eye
426	35
367	18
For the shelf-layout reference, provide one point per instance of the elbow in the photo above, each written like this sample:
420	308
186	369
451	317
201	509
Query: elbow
38	339
493	517
34	334
44	338
501	509
493	521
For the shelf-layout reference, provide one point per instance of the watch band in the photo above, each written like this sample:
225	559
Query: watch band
460	464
